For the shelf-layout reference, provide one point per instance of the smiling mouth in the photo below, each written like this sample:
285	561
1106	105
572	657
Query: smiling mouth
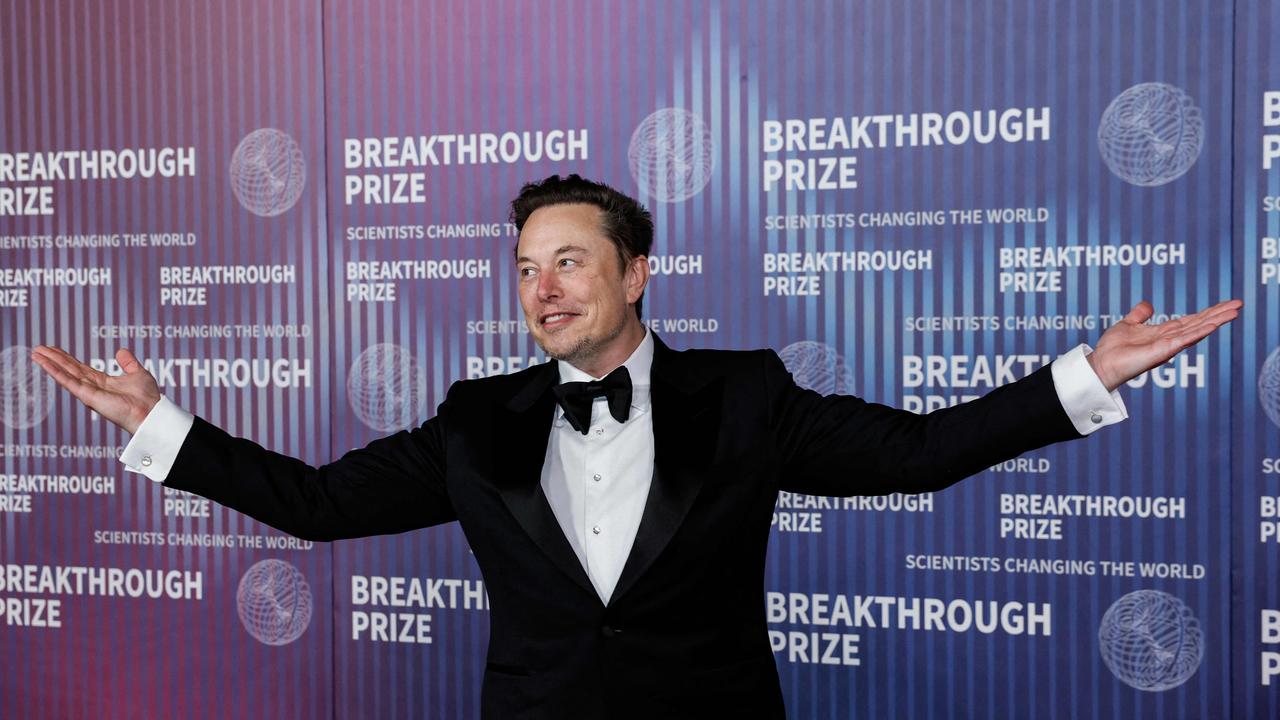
554	319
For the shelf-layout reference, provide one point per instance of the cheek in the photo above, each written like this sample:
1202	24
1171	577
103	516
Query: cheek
528	300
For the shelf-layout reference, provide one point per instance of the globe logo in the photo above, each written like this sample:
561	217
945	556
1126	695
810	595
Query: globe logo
1269	386
26	393
1151	134
818	367
274	602
671	155
267	172
386	388
1151	641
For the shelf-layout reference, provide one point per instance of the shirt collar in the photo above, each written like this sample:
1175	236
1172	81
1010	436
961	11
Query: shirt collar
638	365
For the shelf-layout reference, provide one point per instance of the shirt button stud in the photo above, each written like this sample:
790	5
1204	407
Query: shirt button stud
596	529
146	461
596	477
599	431
1095	418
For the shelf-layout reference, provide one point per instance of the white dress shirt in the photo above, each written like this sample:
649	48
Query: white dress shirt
597	483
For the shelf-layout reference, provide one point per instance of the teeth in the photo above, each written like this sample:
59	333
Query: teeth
553	318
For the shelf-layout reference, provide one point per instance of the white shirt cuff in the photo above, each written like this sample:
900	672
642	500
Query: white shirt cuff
155	446
1082	394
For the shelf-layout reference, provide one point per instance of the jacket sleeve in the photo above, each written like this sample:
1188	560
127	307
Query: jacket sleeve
843	445
394	484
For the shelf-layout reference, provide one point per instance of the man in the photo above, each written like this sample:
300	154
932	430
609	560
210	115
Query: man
618	500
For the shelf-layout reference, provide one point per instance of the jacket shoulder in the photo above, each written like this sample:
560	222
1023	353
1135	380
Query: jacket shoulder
496	387
708	364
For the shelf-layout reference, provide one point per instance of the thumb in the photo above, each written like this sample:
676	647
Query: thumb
127	361
1140	313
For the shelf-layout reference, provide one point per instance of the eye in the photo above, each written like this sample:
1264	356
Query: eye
567	262
526	271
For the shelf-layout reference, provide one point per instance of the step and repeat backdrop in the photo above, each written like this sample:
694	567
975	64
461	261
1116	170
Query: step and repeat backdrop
296	214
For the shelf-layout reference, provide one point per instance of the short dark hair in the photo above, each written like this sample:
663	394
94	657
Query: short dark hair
626	222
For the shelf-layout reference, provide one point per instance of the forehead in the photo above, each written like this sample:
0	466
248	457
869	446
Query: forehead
555	226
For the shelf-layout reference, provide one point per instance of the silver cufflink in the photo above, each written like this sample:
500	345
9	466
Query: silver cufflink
1096	418
146	461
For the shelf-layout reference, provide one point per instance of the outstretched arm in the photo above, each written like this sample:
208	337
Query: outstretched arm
845	446
394	484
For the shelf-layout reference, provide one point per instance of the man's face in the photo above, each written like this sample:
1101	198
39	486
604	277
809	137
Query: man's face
573	291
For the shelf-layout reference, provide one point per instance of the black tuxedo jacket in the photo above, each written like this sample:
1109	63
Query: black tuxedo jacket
684	633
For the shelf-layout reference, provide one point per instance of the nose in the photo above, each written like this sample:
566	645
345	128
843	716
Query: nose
548	287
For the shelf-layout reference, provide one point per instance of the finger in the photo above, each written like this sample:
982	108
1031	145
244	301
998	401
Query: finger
1224	315
1140	313
127	361
77	387
1201	333
65	362
41	349
1185	322
1223	306
1194	333
1177	324
83	381
1224	312
1211	314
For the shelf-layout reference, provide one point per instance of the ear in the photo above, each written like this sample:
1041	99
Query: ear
636	278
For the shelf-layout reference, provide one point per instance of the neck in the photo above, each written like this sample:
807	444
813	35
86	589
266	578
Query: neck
616	352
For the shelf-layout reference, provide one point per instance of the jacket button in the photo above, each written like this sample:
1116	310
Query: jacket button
609	631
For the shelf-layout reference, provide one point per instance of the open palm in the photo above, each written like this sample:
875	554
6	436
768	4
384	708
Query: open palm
1130	348
123	399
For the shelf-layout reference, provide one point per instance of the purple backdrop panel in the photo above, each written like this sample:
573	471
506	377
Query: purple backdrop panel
165	174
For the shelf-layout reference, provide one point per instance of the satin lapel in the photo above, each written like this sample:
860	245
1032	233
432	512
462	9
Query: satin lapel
522	431
686	427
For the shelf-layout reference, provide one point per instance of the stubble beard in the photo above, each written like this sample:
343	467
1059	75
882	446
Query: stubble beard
585	348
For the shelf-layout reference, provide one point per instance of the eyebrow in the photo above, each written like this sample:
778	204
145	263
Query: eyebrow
559	251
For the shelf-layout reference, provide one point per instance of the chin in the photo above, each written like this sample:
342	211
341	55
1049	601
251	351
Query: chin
551	345
570	350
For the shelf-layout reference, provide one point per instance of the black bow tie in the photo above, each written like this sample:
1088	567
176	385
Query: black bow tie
576	398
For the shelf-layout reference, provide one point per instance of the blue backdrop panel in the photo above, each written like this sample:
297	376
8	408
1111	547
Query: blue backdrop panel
1255	629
